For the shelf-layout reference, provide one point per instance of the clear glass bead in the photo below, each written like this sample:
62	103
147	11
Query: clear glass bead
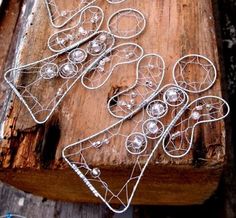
152	127
68	70
158	109
172	95
77	55
138	142
49	71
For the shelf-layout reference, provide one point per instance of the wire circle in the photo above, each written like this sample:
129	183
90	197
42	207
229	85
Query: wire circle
189	83
128	33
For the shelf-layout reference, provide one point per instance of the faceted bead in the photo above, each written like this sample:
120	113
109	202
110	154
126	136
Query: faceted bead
77	55
172	95
138	141
95	47
152	127
49	71
157	109
68	70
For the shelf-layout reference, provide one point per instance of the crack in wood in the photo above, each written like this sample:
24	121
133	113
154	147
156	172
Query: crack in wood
48	146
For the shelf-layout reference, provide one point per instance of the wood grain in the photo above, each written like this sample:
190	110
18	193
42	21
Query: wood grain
174	28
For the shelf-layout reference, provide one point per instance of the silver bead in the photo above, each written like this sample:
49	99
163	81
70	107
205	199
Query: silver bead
106	59
129	55
195	115
133	94
209	106
95	172
97	144
102	62
96	46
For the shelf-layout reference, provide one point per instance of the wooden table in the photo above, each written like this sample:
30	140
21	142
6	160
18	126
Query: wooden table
31	154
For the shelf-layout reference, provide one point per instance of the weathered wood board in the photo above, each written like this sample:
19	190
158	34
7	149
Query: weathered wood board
31	154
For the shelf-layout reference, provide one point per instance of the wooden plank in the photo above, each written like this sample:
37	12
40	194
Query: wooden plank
175	28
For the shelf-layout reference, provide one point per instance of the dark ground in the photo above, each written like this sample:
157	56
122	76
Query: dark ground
221	205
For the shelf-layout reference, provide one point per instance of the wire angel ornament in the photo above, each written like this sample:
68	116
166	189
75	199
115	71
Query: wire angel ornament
136	139
56	74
